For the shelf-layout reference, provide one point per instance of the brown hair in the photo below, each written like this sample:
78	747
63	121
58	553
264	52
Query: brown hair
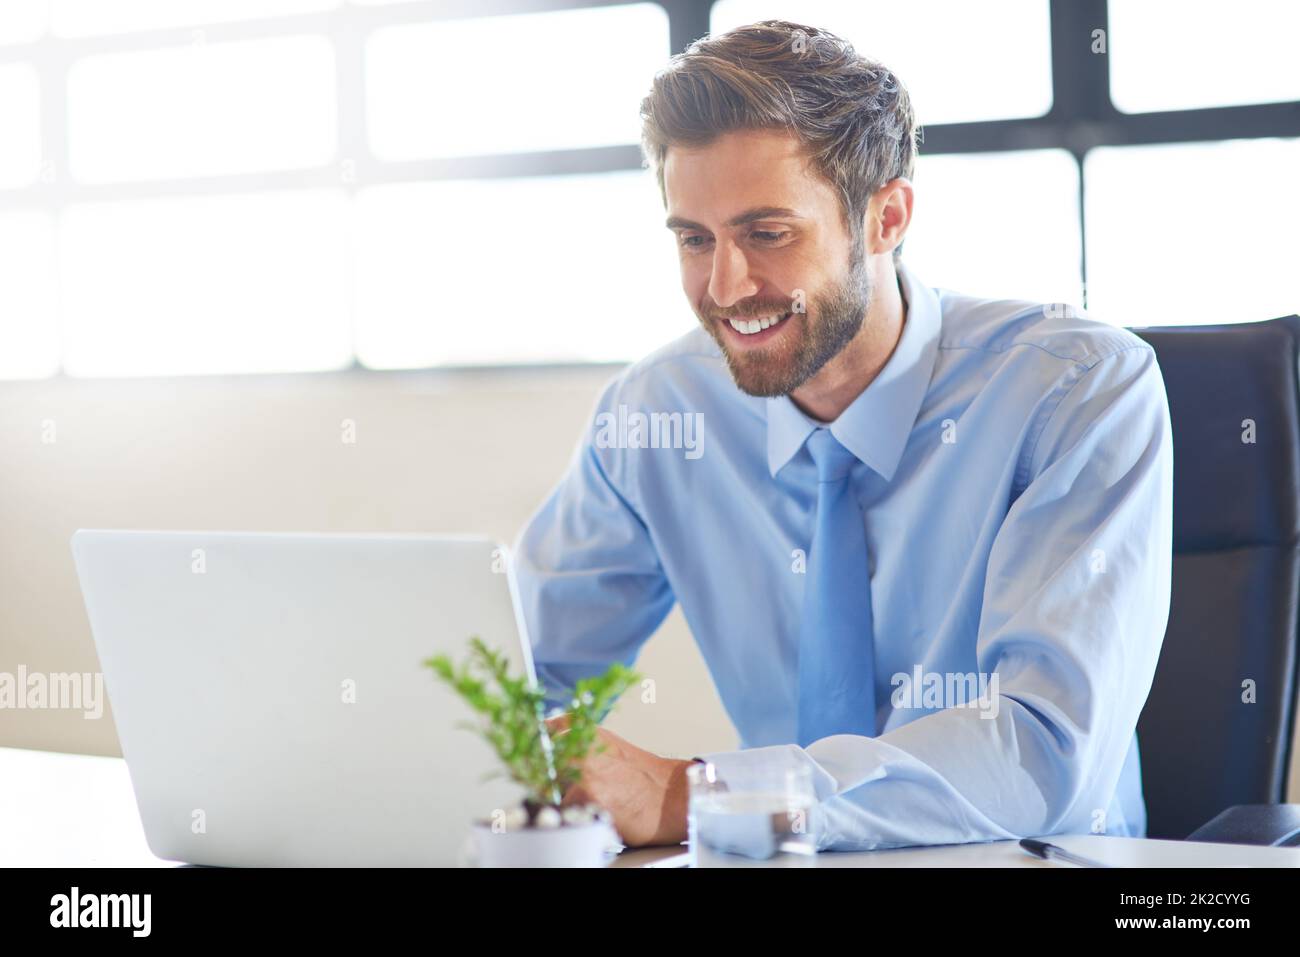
853	116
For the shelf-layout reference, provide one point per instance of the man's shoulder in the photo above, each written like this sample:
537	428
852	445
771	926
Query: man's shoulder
1014	332
662	401
688	364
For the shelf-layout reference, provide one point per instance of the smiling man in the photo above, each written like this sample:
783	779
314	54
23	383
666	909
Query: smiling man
904	491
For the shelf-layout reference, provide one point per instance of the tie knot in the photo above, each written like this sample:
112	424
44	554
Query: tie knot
832	459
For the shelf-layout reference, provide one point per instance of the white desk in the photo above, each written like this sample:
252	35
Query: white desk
69	810
1115	851
74	810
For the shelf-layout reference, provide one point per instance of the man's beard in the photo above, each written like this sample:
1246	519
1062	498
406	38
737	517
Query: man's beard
834	317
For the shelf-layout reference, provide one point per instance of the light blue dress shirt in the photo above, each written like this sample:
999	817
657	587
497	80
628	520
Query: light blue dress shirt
1015	475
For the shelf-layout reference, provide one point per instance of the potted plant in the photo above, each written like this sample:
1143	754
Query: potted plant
540	831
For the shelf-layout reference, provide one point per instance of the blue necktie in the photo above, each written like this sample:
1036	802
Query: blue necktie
836	656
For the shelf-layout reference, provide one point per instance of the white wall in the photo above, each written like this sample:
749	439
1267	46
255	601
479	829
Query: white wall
449	452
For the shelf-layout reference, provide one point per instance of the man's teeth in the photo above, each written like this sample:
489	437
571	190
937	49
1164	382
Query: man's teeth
751	326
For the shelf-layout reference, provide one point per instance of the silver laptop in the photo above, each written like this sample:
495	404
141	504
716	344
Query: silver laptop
269	694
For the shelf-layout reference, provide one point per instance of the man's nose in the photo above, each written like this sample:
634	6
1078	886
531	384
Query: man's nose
730	281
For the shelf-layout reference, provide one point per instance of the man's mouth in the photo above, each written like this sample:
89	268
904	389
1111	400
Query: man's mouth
752	330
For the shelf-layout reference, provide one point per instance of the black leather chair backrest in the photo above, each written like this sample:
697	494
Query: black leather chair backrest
1233	623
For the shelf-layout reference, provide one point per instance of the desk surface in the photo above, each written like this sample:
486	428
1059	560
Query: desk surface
74	810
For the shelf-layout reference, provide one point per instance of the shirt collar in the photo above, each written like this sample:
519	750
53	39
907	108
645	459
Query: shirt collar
876	425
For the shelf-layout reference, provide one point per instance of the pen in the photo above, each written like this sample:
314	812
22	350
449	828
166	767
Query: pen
1051	852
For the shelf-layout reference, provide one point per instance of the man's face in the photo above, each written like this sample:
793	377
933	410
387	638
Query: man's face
760	237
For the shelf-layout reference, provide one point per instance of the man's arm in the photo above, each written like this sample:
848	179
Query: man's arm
1075	604
590	582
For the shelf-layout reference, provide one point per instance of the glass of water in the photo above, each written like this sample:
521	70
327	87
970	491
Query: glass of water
762	812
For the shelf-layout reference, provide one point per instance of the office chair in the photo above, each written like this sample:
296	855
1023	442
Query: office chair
1215	734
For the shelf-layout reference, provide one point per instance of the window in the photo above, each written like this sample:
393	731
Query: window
561	268
242	283
551	81
202	109
29	343
21	21
20	159
1193	54
1178	234
1000	225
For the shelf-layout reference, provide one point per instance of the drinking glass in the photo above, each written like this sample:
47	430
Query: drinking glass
757	813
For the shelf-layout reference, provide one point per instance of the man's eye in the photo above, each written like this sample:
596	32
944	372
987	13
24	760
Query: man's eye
689	241
768	236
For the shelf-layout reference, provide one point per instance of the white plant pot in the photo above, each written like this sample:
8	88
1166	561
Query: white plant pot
573	845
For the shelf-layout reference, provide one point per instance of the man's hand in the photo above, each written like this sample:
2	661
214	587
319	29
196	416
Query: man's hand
646	794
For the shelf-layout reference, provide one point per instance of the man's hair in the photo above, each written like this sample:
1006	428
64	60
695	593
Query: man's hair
852	115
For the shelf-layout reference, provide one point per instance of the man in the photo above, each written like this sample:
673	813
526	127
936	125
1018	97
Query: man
900	489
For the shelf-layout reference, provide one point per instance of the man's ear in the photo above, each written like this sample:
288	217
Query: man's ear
888	216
